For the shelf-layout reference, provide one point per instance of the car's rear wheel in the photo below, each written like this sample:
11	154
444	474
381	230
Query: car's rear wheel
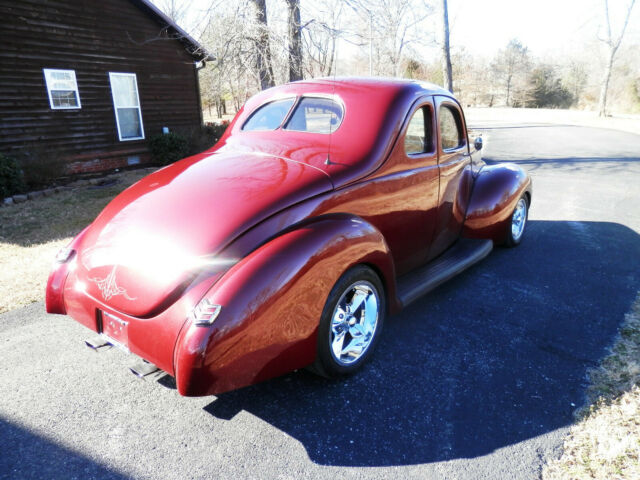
518	222
351	323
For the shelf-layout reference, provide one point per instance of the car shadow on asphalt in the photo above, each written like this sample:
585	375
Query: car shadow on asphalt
33	456
494	357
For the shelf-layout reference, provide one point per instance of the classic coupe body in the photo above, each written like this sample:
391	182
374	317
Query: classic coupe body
326	205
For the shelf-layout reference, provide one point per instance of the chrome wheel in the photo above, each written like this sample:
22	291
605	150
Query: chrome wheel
354	322
518	220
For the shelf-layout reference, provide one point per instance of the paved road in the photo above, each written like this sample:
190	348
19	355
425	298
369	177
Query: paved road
476	380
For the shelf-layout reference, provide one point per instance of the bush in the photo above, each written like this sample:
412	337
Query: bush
11	180
167	148
204	137
547	90
170	147
41	166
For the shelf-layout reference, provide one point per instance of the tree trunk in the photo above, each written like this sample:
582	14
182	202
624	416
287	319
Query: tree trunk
263	52
446	54
295	41
331	58
613	47
604	88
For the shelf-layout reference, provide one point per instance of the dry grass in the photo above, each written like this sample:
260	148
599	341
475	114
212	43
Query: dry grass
605	443
31	233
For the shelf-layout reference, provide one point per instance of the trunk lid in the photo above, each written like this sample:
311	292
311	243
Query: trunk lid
151	241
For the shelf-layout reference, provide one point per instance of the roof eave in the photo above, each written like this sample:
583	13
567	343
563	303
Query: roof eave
193	48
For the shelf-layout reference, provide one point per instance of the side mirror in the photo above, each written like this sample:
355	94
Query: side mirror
477	143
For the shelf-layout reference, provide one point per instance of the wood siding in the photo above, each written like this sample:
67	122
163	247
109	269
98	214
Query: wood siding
92	38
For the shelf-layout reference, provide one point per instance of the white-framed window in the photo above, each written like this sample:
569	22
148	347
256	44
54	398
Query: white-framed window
126	104
62	89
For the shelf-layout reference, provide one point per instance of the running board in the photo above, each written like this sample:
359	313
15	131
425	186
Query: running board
464	253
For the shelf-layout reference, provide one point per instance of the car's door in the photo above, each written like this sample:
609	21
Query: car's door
456	179
401	198
419	152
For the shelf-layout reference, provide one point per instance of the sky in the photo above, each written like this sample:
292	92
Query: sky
483	27
544	26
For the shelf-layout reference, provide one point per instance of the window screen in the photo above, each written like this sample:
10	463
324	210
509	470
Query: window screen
315	115
126	103
450	131
62	88
269	116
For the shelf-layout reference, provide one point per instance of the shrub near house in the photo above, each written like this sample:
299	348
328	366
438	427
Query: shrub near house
11	181
171	147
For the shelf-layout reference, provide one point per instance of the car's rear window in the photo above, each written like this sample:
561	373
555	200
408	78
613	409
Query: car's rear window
269	116
315	115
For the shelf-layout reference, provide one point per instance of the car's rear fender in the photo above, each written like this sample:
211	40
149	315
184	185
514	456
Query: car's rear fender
496	191
54	297
272	301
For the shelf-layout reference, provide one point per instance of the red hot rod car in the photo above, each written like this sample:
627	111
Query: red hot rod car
326	205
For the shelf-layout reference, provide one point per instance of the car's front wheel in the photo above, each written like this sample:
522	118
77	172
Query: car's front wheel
351	323
519	217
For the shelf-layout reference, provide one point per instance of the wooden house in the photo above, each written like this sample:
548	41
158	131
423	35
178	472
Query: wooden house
90	81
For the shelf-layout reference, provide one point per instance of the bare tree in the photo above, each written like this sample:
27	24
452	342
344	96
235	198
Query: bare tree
613	44
393	25
263	49
511	67
230	34
176	10
473	85
575	76
364	11
320	35
295	40
446	54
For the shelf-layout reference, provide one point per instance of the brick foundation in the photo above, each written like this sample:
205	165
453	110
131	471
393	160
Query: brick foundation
98	162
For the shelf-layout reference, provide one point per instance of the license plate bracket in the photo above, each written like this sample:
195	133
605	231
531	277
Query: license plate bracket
115	330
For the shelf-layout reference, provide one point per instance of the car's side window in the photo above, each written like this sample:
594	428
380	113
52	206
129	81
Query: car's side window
315	115
418	136
450	128
269	116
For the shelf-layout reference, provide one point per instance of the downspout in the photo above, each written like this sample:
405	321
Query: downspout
197	69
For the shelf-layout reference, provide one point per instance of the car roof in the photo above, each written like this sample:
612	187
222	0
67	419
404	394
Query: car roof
375	110
337	84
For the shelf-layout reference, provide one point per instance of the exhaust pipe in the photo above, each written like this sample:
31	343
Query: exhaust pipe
143	368
97	343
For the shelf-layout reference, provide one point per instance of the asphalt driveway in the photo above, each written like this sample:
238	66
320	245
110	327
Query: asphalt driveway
476	380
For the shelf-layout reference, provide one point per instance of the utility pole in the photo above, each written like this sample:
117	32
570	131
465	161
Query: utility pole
359	6
446	54
370	42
